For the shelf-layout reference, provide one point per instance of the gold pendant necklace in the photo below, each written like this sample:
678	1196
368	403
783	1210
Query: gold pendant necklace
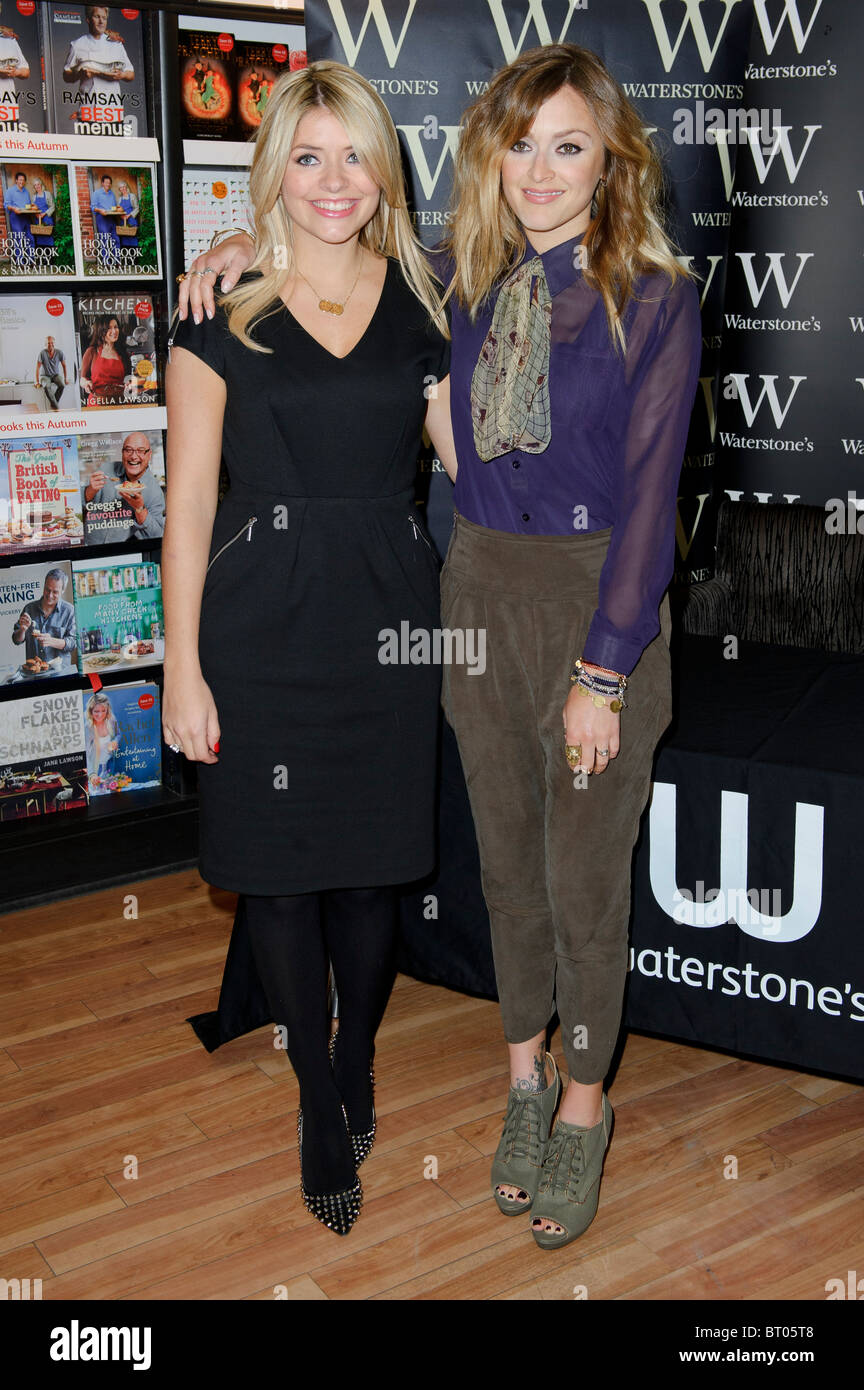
331	306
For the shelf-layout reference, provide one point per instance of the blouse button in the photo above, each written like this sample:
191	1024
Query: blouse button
515	463
526	516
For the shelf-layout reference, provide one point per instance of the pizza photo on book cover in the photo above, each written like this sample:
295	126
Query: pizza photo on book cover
94	70
22	94
116	210
36	239
116	350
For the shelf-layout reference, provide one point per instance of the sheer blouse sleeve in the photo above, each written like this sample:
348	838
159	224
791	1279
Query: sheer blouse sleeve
641	554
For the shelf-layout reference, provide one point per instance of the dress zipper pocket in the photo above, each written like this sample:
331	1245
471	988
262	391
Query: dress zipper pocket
247	527
418	532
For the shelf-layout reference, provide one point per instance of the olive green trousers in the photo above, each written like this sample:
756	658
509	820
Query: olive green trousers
555	848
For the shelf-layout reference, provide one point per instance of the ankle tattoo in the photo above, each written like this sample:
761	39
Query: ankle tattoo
537	1080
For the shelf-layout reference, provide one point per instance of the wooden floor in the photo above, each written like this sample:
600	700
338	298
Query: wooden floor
135	1165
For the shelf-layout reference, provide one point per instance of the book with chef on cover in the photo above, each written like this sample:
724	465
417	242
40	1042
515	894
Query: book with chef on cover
94	70
22	89
116	350
122	485
38	635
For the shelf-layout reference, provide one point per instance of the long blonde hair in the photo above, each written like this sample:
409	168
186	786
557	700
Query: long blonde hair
356	104
626	236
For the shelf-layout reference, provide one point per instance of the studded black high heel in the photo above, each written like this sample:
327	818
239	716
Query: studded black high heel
336	1210
361	1144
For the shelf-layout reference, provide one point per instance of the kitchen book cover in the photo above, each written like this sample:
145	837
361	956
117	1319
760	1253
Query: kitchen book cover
116	345
118	611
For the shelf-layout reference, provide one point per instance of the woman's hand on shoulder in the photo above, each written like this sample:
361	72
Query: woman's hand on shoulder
229	259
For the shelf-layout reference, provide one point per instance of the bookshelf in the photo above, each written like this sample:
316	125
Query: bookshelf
145	831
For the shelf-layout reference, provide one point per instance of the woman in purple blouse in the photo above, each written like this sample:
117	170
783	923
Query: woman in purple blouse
576	344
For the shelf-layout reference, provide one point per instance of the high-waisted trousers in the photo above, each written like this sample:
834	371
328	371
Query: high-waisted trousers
555	847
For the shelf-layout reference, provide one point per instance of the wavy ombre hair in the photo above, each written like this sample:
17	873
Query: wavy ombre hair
367	122
626	235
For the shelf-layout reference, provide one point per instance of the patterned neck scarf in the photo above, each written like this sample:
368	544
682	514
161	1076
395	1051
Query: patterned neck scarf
510	385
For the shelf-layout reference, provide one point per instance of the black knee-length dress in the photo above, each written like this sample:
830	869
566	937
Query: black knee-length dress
326	767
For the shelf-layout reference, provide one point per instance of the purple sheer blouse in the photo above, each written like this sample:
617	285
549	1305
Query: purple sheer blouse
619	431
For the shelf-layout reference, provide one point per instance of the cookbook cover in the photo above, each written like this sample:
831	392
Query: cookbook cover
40	498
37	354
122	485
43	764
118	610
116	350
124	737
38	636
94	70
115	205
36	237
22	91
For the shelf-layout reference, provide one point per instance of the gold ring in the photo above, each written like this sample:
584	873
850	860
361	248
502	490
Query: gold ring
180	278
573	754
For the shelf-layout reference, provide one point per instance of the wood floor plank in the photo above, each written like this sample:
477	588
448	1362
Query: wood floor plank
24	1262
69	1208
121	1030
611	1273
7	1065
125	1116
751	1267
302	1290
309	1247
153	1140
150	990
123	1227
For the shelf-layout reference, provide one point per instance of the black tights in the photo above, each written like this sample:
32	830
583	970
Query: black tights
292	940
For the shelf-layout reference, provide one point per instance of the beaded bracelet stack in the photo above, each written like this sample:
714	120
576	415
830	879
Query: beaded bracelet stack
600	689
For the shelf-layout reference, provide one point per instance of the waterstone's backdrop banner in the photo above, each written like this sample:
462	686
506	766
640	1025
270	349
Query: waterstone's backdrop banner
754	105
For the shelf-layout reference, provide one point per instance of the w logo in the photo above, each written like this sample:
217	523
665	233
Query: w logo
737	388
733	902
774	272
790	12
511	47
417	145
374	10
691	19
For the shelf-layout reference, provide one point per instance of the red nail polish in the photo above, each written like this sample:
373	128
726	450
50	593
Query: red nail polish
216	746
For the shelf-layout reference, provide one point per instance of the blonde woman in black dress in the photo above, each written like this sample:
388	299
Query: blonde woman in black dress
313	379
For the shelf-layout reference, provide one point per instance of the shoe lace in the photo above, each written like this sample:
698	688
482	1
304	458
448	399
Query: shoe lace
563	1164
522	1125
